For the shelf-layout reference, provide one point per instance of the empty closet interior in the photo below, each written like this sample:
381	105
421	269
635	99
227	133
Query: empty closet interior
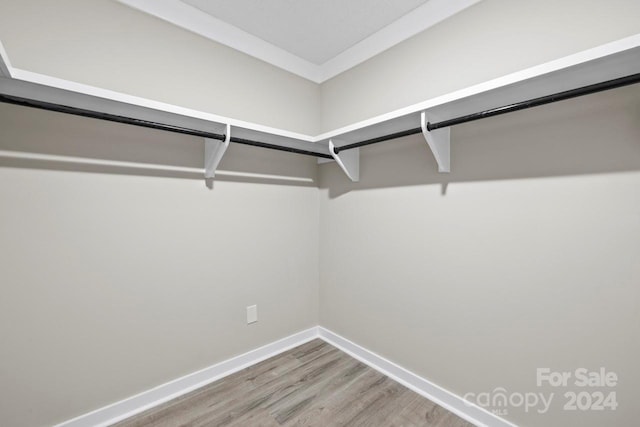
439	197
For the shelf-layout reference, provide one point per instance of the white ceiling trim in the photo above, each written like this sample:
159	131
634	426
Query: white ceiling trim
190	18
201	23
416	21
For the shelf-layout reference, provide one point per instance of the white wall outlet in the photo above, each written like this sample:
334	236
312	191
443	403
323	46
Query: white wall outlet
252	314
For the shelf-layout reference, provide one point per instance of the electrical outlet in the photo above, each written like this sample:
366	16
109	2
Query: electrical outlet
252	314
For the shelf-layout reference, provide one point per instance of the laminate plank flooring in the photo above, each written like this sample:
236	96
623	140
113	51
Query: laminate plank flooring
313	385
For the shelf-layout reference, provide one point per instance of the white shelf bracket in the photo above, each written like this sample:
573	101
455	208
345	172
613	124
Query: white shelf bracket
5	65
349	161
439	143
213	152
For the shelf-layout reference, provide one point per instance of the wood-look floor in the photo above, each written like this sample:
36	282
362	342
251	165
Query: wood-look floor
314	384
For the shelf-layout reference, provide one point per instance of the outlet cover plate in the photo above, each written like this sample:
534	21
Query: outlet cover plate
252	314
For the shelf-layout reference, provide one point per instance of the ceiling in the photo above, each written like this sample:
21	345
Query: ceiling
316	39
315	30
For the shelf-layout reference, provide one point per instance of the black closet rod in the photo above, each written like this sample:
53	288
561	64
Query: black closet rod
42	105
535	102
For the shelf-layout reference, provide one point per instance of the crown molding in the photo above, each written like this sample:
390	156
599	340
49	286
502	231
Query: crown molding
415	22
190	18
193	19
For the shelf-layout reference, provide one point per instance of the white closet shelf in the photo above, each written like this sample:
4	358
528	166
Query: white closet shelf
606	62
38	87
610	61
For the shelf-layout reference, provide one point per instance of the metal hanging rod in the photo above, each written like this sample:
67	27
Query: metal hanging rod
535	102
279	147
377	139
42	105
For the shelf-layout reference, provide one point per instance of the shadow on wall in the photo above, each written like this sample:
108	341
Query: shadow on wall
599	133
37	139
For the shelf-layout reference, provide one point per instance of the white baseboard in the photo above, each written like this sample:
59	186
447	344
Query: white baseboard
133	405
448	400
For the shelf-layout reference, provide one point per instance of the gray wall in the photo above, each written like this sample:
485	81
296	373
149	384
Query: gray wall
106	44
114	280
526	256
488	40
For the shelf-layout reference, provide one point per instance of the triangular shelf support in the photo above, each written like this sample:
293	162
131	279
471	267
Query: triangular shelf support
213	152
439	143
348	160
